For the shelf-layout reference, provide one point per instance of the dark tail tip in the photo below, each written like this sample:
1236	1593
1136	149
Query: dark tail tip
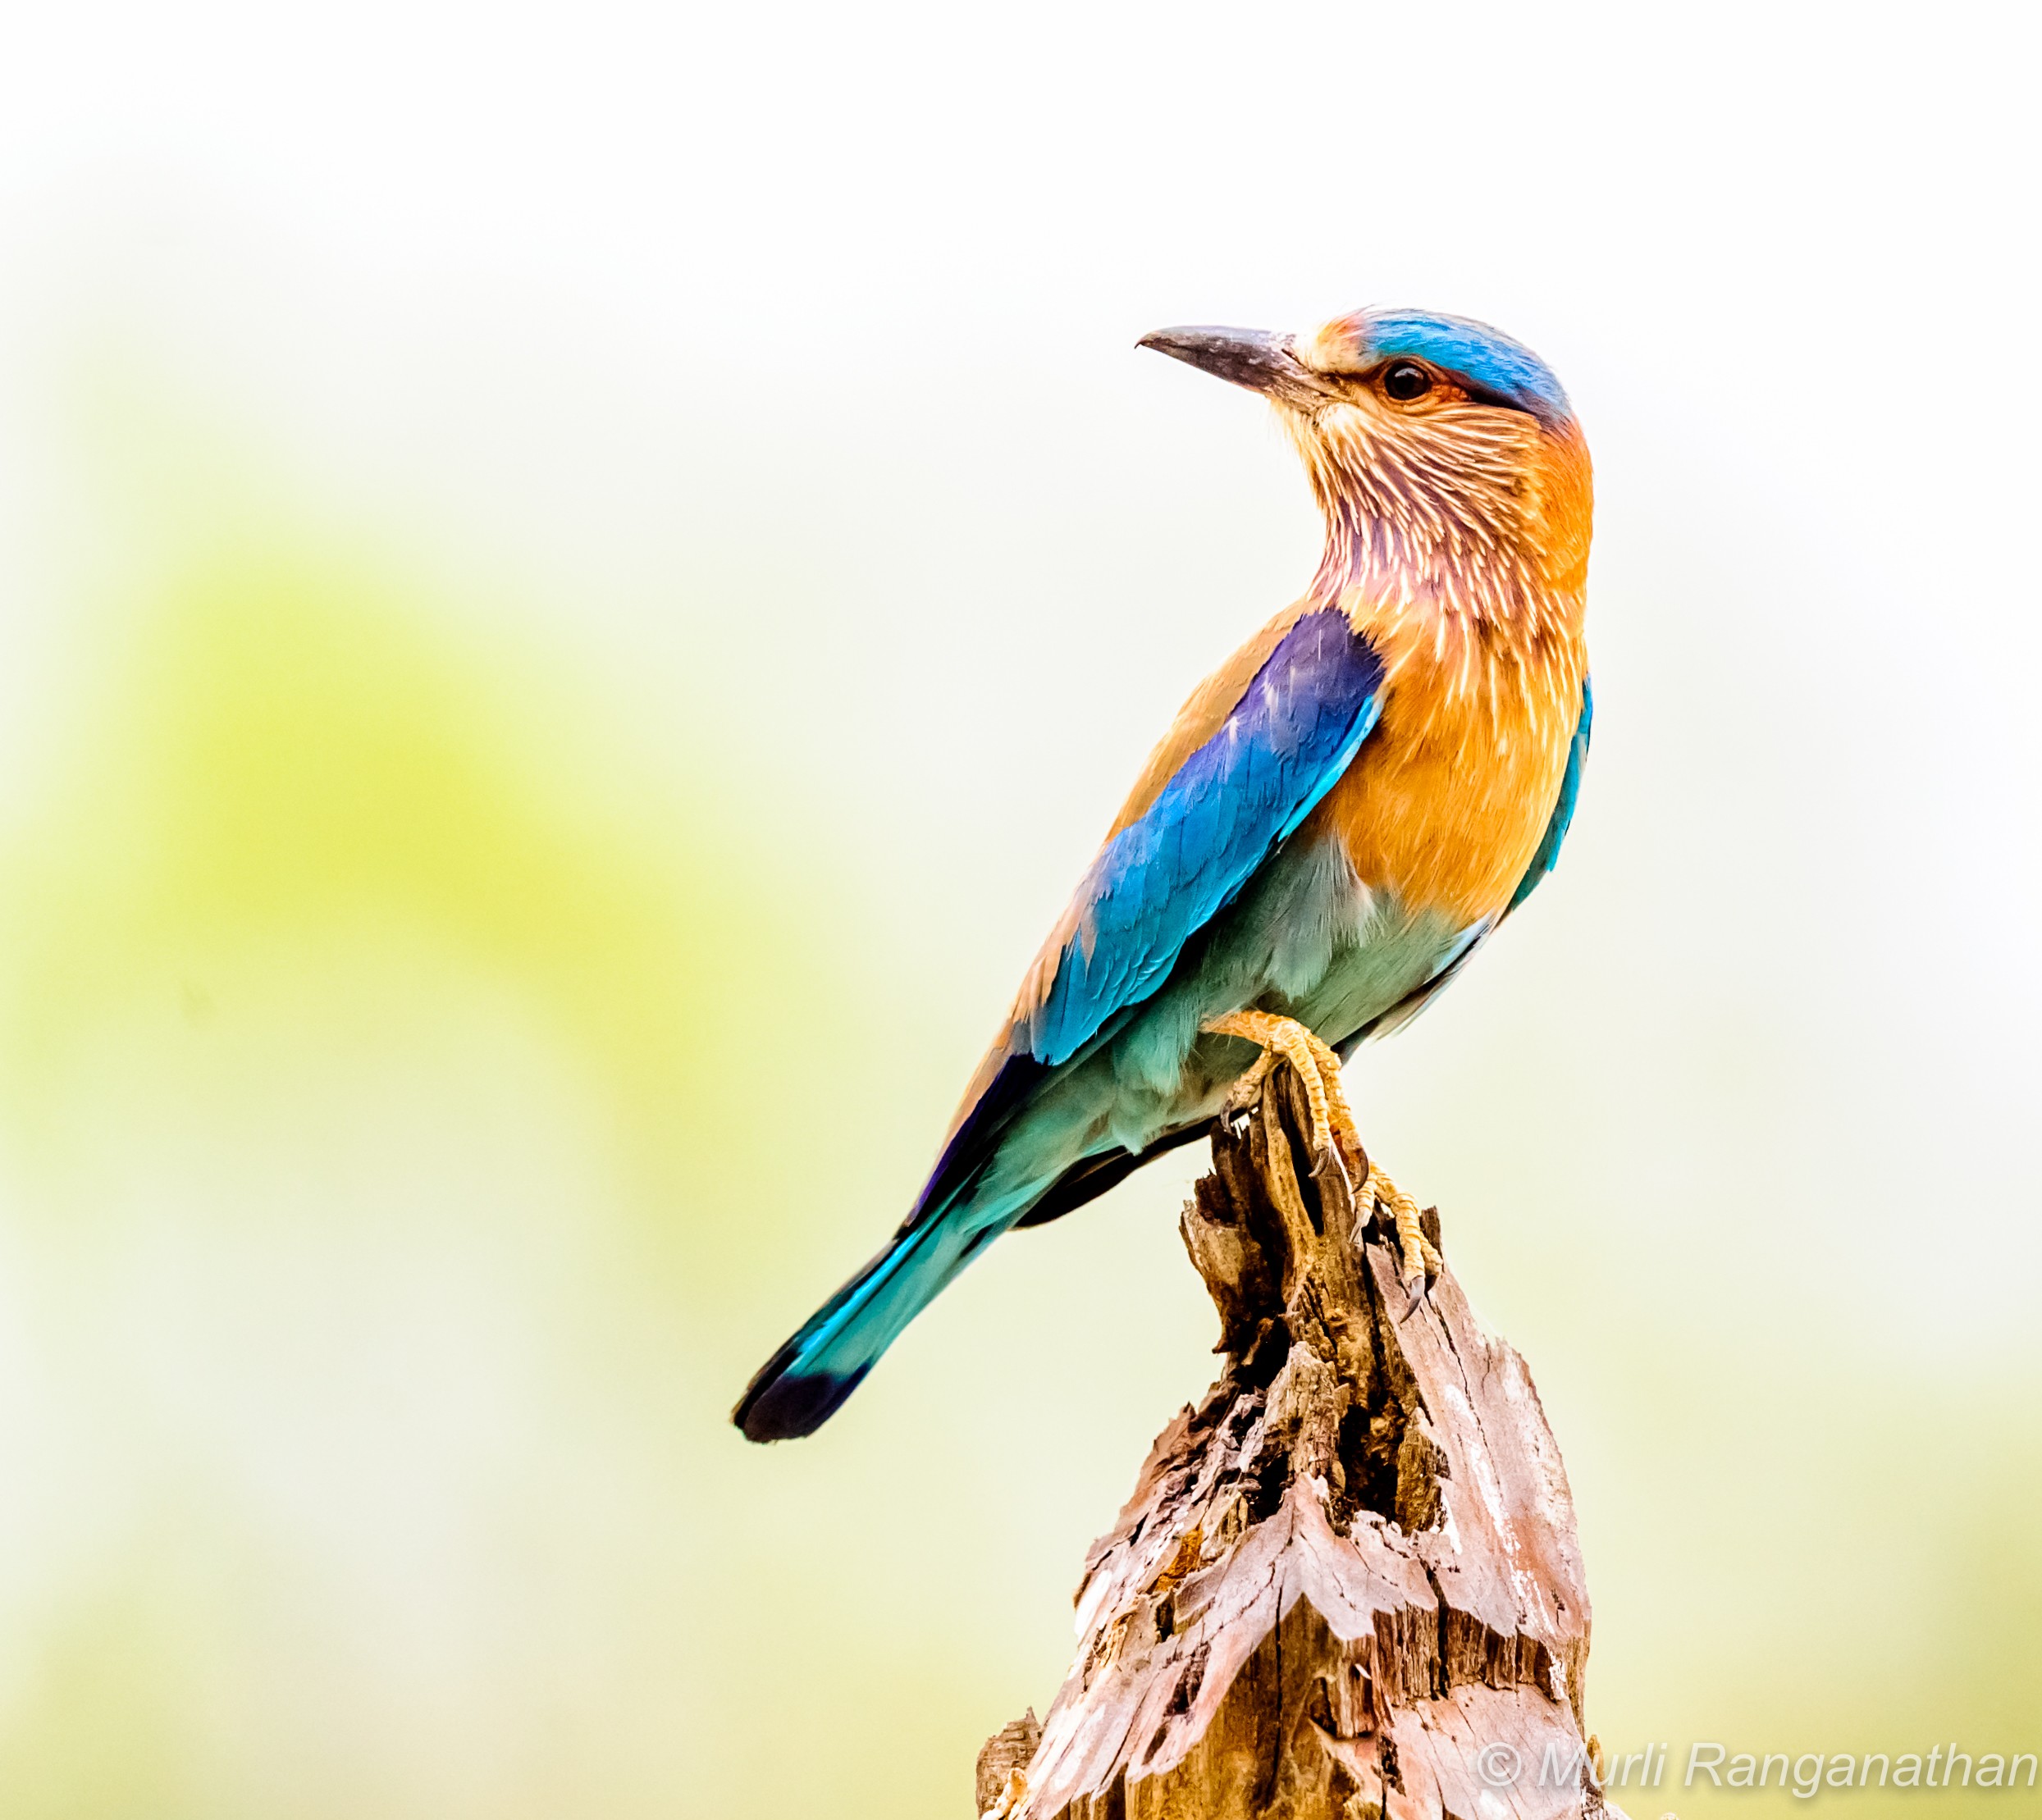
783	1404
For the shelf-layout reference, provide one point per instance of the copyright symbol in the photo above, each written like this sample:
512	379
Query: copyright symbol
1499	1764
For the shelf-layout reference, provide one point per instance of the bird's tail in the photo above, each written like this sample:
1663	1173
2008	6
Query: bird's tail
804	1384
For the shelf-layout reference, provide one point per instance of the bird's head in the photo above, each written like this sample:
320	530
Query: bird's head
1445	455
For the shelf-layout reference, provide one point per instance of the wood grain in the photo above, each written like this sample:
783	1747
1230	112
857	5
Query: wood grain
1347	1583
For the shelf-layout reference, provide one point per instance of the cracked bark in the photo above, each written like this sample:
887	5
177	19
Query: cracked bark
1347	1583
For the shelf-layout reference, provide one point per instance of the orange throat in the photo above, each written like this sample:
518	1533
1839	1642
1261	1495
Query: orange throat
1467	569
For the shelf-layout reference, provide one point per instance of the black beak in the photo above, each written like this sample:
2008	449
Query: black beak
1252	358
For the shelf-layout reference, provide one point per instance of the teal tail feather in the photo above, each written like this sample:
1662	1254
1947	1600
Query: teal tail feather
805	1382
965	1206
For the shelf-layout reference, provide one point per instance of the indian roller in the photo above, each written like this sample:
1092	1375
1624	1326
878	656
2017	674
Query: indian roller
1344	812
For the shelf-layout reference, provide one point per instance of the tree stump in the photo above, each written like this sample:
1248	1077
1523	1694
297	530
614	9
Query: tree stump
1347	1585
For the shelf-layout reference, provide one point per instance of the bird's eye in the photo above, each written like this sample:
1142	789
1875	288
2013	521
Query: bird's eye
1406	380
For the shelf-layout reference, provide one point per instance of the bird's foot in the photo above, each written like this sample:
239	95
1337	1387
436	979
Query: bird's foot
1334	1133
1422	1262
1242	1094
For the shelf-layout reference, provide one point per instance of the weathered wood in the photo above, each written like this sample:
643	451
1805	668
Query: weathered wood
1004	1760
1347	1583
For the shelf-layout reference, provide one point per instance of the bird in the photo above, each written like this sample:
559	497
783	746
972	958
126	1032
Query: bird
1341	815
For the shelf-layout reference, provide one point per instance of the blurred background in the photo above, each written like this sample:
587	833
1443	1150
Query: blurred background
577	585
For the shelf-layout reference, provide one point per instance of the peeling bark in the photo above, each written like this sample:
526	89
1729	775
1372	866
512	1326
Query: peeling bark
1347	1583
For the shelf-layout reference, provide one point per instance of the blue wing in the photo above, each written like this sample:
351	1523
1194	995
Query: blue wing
1162	877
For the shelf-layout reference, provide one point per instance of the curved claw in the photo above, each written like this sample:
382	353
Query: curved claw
1241	1095
1333	1137
1421	1288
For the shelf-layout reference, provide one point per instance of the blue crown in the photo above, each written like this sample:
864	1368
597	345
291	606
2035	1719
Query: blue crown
1487	359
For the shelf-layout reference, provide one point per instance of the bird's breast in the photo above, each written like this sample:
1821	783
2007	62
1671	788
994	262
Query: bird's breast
1448	799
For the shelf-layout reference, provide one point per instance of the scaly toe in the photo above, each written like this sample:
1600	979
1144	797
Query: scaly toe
1340	1115
1241	1095
1421	1257
1287	1037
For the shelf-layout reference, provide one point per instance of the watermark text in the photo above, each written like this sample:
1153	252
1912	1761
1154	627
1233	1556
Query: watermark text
1712	1764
